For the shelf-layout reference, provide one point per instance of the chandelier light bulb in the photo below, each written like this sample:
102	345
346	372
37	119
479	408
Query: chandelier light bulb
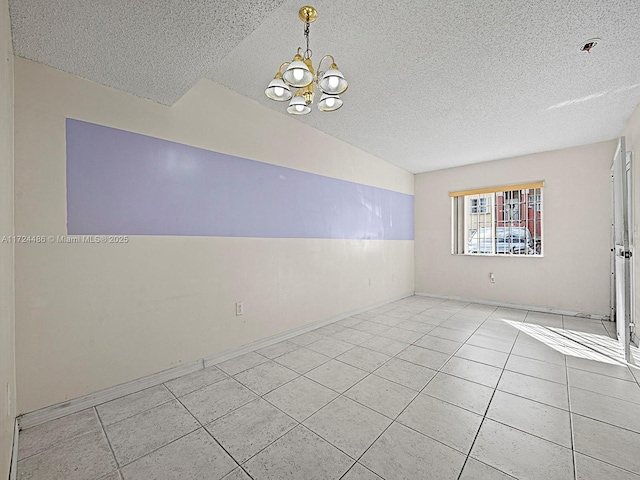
334	82
278	91
298	74
331	102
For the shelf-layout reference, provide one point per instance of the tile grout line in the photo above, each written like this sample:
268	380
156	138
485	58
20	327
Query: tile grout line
104	431
484	416
209	433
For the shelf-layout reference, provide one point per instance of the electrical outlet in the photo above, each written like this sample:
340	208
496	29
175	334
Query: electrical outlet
492	278
370	282
239	309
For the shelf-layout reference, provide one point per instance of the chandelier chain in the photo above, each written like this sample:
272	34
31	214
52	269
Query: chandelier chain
307	53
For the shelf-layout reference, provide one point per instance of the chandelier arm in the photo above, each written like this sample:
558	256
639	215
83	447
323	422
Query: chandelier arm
320	73
280	69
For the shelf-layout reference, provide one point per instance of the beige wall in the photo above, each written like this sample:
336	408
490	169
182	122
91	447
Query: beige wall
574	273
93	316
632	134
7	359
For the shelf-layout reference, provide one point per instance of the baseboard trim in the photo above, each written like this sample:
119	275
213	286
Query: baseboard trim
532	308
75	405
13	467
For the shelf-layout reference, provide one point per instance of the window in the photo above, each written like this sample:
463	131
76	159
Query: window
479	205
497	220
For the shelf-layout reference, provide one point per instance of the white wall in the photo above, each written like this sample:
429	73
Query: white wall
93	316
7	359
574	273
632	134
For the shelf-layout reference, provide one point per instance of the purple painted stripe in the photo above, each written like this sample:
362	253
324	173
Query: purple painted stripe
125	183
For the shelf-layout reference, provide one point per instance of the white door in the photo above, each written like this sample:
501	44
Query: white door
622	253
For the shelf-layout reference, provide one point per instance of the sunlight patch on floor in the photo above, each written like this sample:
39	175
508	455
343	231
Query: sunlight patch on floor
579	344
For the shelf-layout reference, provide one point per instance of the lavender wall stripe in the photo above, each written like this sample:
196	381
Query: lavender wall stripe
125	183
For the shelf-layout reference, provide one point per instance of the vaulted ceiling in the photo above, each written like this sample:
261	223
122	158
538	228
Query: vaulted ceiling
433	84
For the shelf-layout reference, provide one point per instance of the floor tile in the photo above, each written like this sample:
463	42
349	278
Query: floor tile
537	368
607	443
404	454
214	401
402	335
428	319
371	327
388	320
265	377
336	375
305	339
385	345
414	326
348	425
83	457
194	456
543	391
302	360
277	349
330	329
383	396
538	419
130	405
588	468
331	347
501	331
538	351
404	312
249	429
505	313
137	436
424	356
241	363
363	358
482	355
473	371
612	387
54	432
115	475
406	373
300	398
475	470
442	421
358	472
606	409
237	474
450	334
499	344
438	344
349	322
193	381
520	454
300	454
545	319
351	335
617	371
460	392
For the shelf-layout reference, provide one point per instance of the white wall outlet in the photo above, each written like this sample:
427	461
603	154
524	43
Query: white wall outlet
239	308
370	282
492	278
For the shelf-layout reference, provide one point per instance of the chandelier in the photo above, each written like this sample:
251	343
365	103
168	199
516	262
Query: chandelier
300	74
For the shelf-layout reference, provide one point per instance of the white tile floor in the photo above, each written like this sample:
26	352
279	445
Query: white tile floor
418	389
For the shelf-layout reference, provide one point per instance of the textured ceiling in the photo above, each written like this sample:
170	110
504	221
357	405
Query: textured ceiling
433	84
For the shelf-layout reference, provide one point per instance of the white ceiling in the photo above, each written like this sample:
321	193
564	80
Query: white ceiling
433	84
